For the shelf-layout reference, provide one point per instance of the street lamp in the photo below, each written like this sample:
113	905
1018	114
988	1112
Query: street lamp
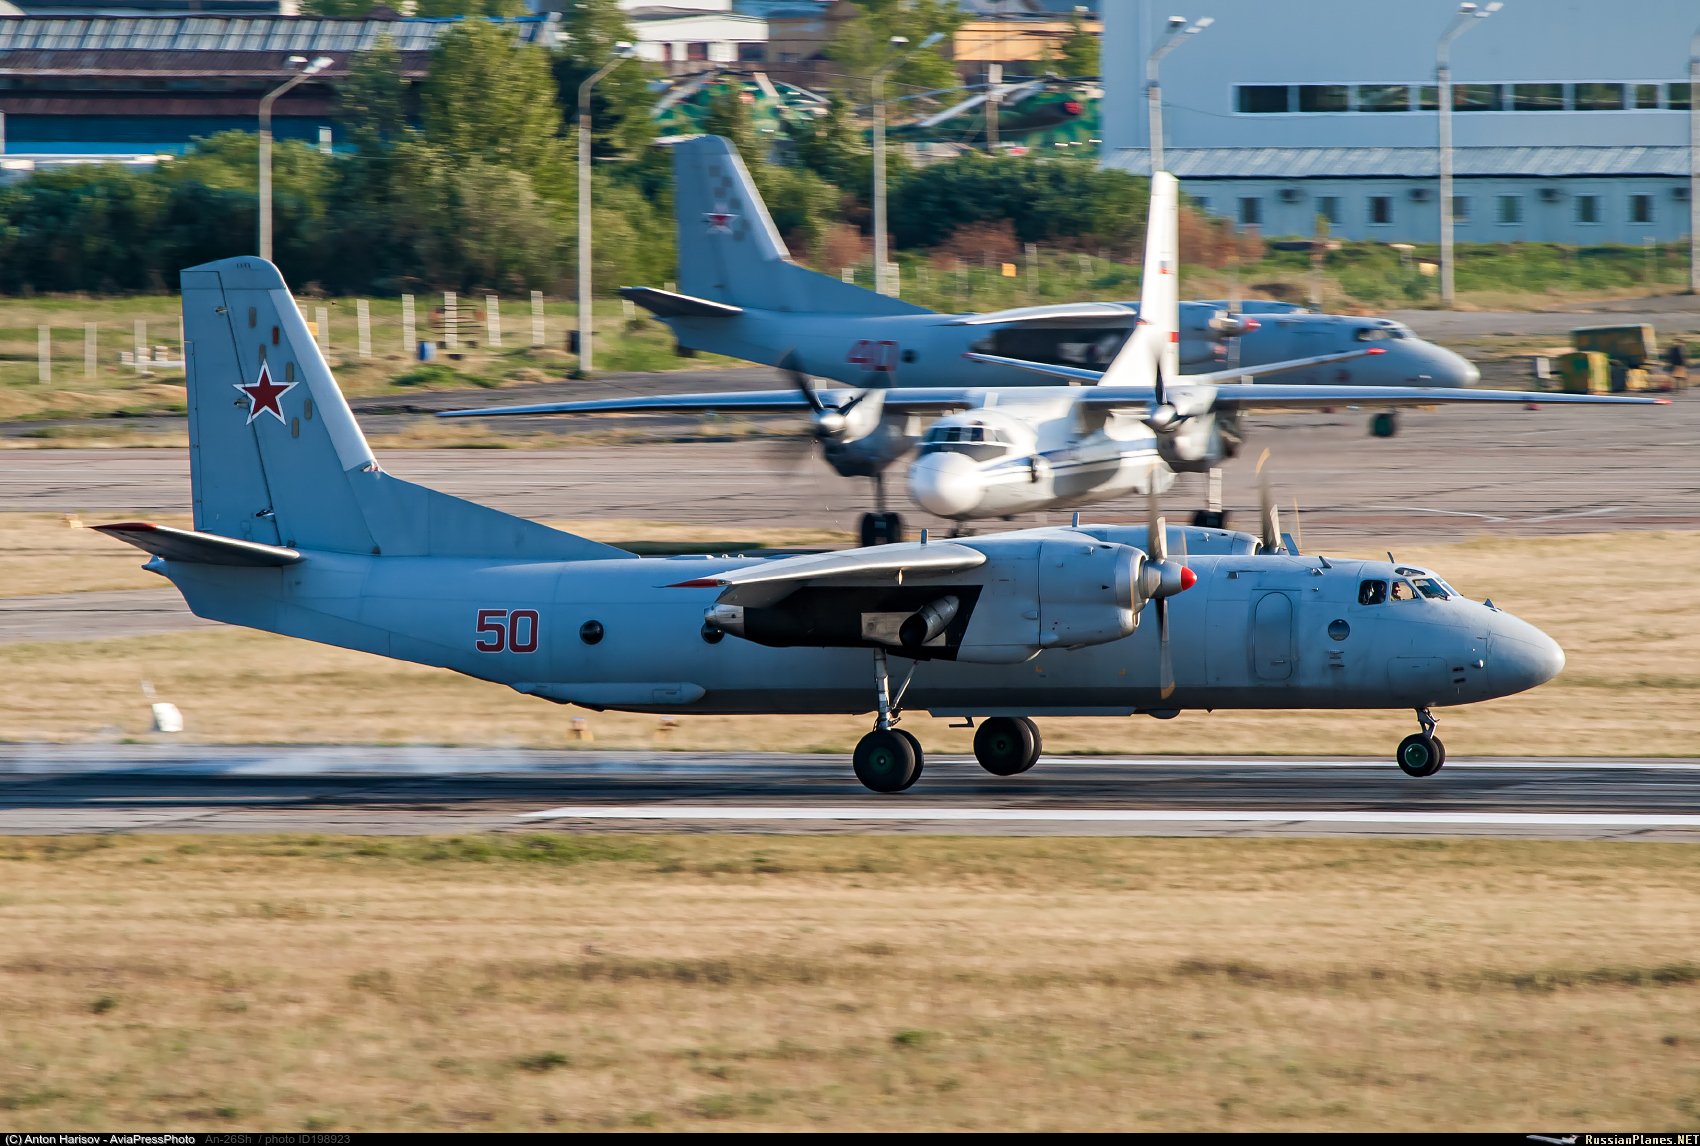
313	68
623	51
1694	163
1465	19
882	282
1154	93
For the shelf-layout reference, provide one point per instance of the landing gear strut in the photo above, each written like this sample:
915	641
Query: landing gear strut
881	527
888	759
1007	745
1212	516
1421	753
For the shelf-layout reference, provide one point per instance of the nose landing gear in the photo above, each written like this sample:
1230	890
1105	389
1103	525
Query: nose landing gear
1421	753
881	527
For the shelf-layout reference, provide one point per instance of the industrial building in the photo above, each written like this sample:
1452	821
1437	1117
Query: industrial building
1571	119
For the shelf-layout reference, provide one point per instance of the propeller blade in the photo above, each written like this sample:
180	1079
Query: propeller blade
1269	514
804	384
1165	666
1156	529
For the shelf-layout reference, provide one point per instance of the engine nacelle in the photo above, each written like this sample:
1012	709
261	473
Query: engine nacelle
1058	594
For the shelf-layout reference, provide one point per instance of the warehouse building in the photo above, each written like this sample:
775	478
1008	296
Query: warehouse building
1570	124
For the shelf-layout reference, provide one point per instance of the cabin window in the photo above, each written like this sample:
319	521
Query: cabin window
1372	592
1402	591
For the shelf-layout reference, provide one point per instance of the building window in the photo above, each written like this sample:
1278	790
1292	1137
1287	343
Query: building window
1263	99
1599	97
1328	206
1384	97
752	53
1645	95
1475	97
1587	208
1510	210
1324	97
1640	208
1537	97
1381	210
1461	208
1677	96
1251	212
1428	98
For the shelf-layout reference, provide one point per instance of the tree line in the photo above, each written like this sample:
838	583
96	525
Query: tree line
466	180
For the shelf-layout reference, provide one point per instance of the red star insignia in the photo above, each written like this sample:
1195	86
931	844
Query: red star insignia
719	222
264	395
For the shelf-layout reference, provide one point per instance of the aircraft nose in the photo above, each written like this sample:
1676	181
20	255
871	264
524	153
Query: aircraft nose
1523	661
945	484
1453	369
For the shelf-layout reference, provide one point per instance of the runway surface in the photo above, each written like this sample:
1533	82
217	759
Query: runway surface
384	791
95	616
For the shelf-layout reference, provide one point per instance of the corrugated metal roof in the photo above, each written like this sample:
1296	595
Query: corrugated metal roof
237	33
1403	162
141	63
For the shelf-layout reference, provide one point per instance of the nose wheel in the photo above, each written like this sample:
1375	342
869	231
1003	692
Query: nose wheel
882	527
1421	753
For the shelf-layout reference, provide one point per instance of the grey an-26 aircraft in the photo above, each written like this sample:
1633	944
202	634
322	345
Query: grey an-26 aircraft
299	531
740	294
1000	451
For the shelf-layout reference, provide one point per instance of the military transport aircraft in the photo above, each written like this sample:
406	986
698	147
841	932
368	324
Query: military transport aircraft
741	295
997	452
298	530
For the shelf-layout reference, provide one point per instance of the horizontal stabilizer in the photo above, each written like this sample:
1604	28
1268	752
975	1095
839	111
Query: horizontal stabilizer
189	545
671	304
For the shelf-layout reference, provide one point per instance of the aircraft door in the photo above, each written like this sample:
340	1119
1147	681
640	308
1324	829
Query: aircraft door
1272	651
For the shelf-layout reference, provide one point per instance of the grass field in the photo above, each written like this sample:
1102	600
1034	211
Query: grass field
1631	686
726	983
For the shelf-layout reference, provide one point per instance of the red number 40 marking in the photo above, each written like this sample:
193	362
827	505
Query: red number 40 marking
503	631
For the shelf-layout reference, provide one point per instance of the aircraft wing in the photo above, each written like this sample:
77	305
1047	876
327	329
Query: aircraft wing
874	565
1075	374
920	400
1274	396
1082	374
1095	313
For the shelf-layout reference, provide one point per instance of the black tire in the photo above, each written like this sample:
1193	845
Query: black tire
871	529
1420	755
920	756
893	528
885	762
1005	746
1384	424
1038	741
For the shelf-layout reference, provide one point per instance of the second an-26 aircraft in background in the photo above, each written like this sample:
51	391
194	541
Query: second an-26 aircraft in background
998	451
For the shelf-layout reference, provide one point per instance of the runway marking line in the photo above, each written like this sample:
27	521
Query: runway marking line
924	812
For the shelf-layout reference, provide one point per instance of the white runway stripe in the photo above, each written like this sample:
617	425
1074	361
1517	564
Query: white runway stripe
933	814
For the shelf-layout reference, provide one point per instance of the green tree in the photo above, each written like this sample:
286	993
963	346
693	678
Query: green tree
1043	200
470	8
729	115
863	44
1079	55
833	147
489	97
620	104
372	101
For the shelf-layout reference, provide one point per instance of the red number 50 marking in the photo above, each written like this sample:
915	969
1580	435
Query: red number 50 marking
503	631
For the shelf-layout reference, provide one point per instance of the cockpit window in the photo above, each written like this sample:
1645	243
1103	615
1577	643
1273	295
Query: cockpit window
1372	592
1431	588
1371	333
1402	591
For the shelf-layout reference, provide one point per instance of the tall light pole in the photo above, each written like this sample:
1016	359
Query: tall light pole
1465	19
318	65
882	279
1694	163
623	51
1153	92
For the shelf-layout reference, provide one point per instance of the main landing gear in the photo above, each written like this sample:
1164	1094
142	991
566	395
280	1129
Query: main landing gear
1384	424
889	759
1421	753
1212	516
881	527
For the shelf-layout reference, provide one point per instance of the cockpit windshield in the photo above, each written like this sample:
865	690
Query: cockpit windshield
1380	333
1432	587
978	442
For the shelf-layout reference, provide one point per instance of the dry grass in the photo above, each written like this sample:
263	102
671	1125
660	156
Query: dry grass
1631	687
713	982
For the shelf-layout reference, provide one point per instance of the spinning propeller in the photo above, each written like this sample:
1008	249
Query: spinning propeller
1161	579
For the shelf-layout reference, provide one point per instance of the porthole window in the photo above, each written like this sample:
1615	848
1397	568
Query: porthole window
712	634
1339	630
590	632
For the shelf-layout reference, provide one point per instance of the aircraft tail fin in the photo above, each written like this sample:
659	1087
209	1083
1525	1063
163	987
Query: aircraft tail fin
730	251
1155	343
276	458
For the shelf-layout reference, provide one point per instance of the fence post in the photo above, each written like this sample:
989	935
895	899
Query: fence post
407	348
451	337
322	319
493	318
44	353
363	319
537	331
141	344
91	351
